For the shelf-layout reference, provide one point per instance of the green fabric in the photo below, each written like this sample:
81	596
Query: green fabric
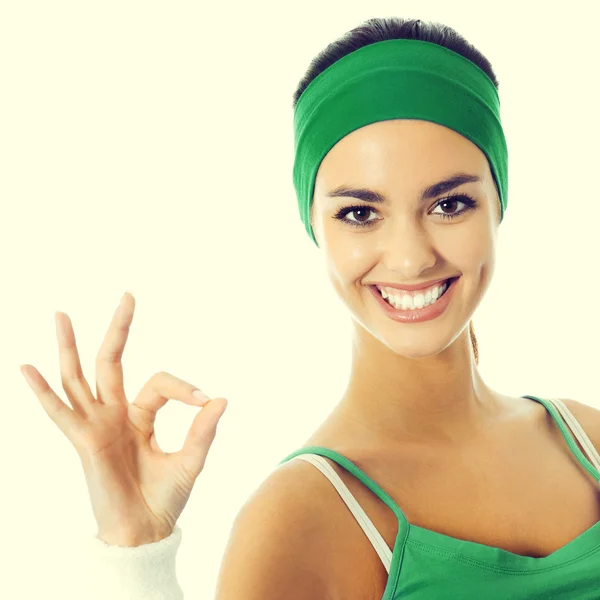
396	79
427	565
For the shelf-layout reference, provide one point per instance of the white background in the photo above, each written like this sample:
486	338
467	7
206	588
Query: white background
148	146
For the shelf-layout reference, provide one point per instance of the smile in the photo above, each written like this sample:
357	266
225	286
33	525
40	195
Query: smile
417	306
405	300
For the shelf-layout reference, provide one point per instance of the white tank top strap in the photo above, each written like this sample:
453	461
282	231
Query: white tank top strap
578	431
370	530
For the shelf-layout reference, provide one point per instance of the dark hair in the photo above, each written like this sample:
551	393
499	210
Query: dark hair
380	29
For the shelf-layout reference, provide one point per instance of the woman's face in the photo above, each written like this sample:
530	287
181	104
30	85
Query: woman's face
407	239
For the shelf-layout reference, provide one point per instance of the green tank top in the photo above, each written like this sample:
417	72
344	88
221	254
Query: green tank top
427	565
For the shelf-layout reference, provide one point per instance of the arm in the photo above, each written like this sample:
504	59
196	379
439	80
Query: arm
277	545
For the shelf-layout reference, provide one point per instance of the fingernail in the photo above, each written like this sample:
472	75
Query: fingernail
200	395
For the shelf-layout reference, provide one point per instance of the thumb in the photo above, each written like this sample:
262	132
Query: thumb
200	436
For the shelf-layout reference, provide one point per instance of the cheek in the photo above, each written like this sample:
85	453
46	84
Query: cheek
347	264
476	259
474	250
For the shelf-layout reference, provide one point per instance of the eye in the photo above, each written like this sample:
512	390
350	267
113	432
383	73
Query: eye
449	201
342	212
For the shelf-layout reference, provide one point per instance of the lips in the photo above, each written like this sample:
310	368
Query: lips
418	315
415	287
413	293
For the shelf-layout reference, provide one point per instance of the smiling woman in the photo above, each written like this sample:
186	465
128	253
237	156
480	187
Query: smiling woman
403	193
423	482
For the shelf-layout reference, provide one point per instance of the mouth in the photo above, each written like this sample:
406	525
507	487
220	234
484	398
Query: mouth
446	283
409	312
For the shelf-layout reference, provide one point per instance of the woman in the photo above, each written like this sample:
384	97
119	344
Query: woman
401	175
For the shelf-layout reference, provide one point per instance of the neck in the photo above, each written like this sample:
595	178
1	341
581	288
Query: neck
437	399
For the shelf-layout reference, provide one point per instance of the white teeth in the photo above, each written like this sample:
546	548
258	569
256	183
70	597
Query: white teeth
404	301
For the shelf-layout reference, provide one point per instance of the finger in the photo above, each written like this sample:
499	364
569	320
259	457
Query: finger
157	391
76	387
199	439
109	370
62	415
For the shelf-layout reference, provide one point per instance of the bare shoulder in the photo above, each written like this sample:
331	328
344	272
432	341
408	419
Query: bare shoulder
276	549
588	417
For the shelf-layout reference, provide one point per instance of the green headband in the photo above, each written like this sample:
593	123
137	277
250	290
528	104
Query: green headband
396	79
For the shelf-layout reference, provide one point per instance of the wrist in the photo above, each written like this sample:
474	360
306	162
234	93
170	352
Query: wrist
132	539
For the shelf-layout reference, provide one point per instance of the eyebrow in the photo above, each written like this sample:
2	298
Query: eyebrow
441	187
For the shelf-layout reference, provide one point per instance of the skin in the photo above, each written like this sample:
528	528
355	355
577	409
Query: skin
410	382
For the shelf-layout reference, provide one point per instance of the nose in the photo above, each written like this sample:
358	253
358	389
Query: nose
407	249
